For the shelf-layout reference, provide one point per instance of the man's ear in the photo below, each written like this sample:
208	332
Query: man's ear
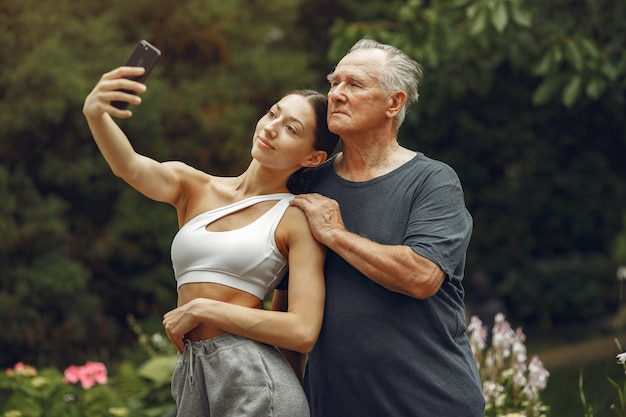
316	158
397	99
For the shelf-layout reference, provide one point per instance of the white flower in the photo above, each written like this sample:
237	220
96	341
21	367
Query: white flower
503	334
537	374
493	392
506	371
490	360
519	348
621	358
477	334
621	273
531	392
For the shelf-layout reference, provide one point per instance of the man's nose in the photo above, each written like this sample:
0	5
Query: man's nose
336	92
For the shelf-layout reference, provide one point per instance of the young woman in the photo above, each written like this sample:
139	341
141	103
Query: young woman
237	238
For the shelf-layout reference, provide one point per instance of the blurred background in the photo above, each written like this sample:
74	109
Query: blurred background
525	99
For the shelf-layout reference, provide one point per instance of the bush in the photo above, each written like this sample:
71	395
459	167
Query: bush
89	391
561	291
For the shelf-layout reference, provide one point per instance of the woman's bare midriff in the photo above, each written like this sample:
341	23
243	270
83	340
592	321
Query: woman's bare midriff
189	292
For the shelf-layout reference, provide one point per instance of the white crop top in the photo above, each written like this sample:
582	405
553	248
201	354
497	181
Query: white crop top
246	258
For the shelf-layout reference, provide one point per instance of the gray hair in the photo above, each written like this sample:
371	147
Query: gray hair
399	73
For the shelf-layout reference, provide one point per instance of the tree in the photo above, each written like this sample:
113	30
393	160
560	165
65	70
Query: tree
80	250
525	99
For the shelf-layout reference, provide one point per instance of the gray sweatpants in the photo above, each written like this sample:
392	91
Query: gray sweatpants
231	376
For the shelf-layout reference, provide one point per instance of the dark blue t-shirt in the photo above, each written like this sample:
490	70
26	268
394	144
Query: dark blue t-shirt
381	353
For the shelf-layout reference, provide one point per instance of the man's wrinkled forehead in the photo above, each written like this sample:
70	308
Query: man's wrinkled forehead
360	64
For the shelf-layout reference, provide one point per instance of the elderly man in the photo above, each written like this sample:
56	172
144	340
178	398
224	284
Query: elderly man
393	341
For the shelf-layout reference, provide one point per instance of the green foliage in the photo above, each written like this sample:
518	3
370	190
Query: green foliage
563	391
574	51
91	390
43	291
525	99
28	392
46	394
618	407
80	249
562	290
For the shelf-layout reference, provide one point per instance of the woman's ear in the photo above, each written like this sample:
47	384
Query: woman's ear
316	158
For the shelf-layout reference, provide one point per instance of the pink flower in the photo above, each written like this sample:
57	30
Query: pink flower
21	369
97	371
88	374
71	375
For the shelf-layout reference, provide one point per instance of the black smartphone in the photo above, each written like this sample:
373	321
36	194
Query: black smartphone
144	55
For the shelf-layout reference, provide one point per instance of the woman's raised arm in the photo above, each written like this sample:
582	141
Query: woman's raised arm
158	181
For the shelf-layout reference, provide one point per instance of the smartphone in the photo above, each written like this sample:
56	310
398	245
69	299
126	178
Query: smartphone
144	55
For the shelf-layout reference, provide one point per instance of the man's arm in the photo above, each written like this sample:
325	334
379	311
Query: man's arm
396	267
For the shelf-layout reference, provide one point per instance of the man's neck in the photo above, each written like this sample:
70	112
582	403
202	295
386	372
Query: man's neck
360	163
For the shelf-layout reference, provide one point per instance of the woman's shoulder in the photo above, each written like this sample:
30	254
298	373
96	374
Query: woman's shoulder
294	223
198	191
295	218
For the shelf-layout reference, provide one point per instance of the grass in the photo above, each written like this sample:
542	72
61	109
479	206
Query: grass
588	350
562	393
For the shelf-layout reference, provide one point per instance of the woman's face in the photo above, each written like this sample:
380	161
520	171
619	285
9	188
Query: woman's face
284	136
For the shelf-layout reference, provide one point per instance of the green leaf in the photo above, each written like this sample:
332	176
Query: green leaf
571	92
595	87
588	47
459	3
620	394
479	21
430	55
520	16
545	64
609	70
546	90
158	369
581	390
573	55
471	11
500	17
557	53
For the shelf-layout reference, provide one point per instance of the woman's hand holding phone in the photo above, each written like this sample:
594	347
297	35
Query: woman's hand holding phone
144	55
119	88
115	86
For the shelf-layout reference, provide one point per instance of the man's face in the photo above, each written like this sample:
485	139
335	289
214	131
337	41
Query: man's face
357	103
